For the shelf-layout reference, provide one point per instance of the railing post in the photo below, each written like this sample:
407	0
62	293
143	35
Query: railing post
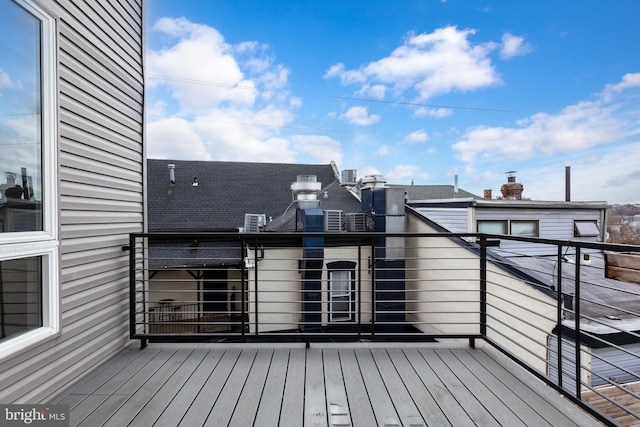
559	315
255	278
244	283
373	287
359	290
483	285
576	310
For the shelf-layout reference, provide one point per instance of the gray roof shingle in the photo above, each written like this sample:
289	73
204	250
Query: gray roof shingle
227	191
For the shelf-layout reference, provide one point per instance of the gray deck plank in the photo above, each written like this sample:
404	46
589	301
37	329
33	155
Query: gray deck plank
115	366
120	388
478	413
175	410
359	404
510	399
360	385
148	390
88	395
428	407
268	414
447	402
292	414
222	410
201	406
381	402
498	409
167	392
539	404
247	403
315	406
402	401
337	404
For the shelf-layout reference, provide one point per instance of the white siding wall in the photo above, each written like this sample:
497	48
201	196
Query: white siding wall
280	284
443	279
553	224
100	164
454	219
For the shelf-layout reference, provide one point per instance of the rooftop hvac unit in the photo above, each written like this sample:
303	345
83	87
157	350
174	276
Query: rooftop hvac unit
333	220
349	177
359	221
253	223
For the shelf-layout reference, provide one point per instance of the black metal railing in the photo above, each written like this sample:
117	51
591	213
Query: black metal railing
547	304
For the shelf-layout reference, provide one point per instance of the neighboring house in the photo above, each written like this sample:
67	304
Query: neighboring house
214	277
71	130
243	197
560	220
557	220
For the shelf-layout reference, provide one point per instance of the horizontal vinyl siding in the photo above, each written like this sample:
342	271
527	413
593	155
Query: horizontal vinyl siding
554	224
456	219
100	164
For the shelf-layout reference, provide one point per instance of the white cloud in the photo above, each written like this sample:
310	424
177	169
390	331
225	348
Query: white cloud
202	68
373	91
429	64
383	150
174	139
576	127
231	100
401	172
513	46
319	147
6	82
438	113
612	177
630	80
360	116
417	137
368	170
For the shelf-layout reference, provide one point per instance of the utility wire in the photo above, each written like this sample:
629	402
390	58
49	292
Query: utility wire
351	98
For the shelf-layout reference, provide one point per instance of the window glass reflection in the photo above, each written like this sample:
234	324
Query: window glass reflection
20	296
20	120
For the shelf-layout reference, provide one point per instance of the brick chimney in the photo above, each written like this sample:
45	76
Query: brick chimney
487	194
512	190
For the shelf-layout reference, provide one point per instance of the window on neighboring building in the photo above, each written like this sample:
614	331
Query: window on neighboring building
341	291
28	231
492	227
526	228
585	229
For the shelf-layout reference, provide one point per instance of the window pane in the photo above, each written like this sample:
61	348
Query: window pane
586	229
524	228
20	120
492	227
20	296
340	282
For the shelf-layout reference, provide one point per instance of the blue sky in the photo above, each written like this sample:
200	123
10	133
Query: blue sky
413	90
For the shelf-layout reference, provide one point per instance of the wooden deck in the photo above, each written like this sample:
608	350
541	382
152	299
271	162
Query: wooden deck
325	385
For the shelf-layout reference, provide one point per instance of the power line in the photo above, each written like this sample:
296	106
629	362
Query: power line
303	128
414	104
351	98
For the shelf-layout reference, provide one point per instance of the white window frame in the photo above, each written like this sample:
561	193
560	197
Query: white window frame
43	244
350	317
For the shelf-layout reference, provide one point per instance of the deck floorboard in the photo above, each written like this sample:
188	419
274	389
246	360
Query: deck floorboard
325	385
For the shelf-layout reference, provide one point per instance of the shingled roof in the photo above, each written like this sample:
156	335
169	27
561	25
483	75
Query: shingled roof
227	191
